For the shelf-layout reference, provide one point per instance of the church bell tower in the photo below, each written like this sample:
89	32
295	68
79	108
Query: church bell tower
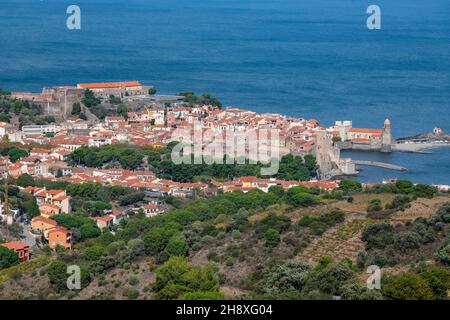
386	142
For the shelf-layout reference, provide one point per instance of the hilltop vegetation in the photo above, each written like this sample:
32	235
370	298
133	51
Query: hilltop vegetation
204	99
256	245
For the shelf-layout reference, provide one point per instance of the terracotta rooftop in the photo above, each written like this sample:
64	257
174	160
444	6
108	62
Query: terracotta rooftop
16	245
102	85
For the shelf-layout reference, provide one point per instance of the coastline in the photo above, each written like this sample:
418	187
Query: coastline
418	147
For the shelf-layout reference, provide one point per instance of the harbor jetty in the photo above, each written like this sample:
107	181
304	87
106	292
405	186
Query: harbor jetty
380	164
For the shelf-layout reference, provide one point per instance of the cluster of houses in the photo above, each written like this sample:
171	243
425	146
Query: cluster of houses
157	124
51	203
153	126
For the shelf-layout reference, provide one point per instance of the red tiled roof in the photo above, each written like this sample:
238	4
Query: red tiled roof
58	229
45	220
366	130
102	85
54	192
105	219
48	205
16	245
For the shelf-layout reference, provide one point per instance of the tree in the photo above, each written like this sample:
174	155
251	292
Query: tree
272	238
288	277
406	241
83	227
89	99
131	293
378	235
114	100
297	168
122	111
131	198
177	247
349	186
438	280
404	186
59	173
443	254
76	109
177	277
57	275
278	190
331	278
4	117
424	191
152	91
16	153
31	208
294	191
8	258
25	180
136	248
444	212
353	291
272	221
304	200
407	286
94	253
156	239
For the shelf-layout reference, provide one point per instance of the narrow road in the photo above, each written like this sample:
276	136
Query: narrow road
27	236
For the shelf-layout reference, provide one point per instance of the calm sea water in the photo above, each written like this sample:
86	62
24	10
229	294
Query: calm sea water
310	58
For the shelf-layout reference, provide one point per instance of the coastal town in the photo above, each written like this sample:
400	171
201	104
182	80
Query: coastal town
87	122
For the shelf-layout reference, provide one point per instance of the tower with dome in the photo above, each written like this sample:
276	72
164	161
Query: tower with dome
386	139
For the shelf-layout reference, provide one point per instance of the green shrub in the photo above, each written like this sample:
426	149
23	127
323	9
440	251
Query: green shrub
131	293
407	286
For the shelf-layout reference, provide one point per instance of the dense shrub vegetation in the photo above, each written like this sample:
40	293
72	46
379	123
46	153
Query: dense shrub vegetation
134	157
387	244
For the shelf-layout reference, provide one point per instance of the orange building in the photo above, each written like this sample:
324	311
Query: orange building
60	236
104	222
22	249
48	210
42	224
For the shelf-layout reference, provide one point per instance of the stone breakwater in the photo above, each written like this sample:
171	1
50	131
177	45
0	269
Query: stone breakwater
380	164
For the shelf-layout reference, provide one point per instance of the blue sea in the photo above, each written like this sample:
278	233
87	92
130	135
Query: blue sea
305	58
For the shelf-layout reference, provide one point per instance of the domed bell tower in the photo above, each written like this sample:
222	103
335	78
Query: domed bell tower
386	140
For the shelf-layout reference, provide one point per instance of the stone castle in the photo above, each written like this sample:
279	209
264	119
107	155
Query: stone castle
363	138
328	157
